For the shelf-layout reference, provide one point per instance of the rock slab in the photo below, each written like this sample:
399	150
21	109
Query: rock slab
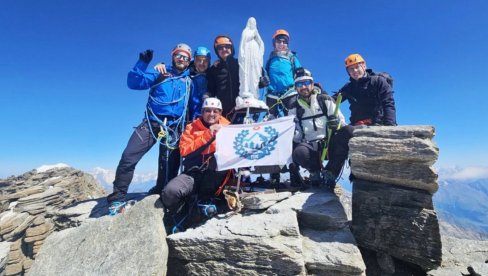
132	243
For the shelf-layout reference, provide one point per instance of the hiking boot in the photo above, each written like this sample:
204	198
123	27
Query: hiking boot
116	207
275	180
329	180
315	179
296	180
155	190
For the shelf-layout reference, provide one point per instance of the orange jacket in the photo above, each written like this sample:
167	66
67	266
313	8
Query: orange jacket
197	135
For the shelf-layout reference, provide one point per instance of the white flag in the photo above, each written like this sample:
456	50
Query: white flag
267	143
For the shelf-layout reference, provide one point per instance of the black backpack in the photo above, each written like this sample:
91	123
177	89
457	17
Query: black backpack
386	76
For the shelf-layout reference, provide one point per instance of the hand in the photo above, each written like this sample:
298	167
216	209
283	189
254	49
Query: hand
263	81
146	56
161	68
215	128
333	122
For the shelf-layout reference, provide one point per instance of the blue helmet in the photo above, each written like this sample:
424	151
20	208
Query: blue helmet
202	51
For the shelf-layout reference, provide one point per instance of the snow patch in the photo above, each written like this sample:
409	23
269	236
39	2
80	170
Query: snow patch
45	168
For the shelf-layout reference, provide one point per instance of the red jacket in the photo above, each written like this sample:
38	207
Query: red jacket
196	136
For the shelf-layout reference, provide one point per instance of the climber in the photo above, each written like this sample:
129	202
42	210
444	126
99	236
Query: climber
197	146
223	75
279	77
314	111
369	94
198	73
164	121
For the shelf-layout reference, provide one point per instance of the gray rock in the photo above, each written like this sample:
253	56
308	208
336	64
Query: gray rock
262	201
256	244
4	251
397	132
407	174
132	243
372	149
332	253
316	209
398	221
458	254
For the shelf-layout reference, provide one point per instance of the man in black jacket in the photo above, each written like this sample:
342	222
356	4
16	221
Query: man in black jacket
369	95
223	75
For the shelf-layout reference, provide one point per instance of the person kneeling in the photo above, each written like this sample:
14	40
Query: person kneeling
199	178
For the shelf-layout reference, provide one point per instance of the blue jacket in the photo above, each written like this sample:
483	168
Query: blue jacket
200	83
280	72
168	96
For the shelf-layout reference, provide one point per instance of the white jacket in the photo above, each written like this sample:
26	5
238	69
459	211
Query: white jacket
307	131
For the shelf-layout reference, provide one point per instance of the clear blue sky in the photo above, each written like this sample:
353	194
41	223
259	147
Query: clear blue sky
64	65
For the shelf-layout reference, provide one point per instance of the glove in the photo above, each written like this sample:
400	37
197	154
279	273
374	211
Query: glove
333	122
146	56
263	81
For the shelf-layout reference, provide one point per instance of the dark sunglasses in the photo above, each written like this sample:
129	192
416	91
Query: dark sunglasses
221	47
303	83
281	41
180	56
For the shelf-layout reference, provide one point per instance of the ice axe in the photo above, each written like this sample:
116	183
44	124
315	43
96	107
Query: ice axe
329	130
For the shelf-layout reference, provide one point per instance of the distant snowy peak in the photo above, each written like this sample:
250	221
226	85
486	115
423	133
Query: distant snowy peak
45	168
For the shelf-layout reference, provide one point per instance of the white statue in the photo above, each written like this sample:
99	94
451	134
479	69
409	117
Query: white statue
251	52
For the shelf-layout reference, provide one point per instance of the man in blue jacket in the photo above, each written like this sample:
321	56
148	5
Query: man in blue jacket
166	110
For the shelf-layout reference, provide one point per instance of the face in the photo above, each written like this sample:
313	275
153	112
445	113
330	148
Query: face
211	115
357	71
224	51
304	88
201	64
181	60
281	44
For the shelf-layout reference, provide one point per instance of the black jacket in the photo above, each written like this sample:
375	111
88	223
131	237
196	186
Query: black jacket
223	82
370	97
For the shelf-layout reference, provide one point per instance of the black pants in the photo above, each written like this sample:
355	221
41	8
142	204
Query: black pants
140	142
182	187
308	154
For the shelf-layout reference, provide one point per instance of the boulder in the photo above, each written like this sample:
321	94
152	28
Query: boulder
132	243
398	221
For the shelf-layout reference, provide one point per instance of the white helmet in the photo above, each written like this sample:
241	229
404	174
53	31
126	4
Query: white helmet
302	74
212	103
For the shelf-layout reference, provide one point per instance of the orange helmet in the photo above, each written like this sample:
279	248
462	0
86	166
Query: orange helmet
222	40
281	32
354	59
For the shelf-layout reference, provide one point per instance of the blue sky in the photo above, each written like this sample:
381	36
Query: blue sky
64	96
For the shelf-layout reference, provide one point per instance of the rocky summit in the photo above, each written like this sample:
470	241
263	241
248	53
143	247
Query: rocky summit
54	223
26	200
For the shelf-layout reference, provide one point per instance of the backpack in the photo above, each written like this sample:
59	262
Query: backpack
385	75
300	111
290	56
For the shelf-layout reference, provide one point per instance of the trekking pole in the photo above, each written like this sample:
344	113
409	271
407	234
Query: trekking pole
329	131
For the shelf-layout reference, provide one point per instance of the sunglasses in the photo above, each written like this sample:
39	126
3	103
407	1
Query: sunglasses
212	110
303	83
281	41
180	56
221	47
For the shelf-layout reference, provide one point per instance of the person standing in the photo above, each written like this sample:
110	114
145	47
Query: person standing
164	121
223	75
